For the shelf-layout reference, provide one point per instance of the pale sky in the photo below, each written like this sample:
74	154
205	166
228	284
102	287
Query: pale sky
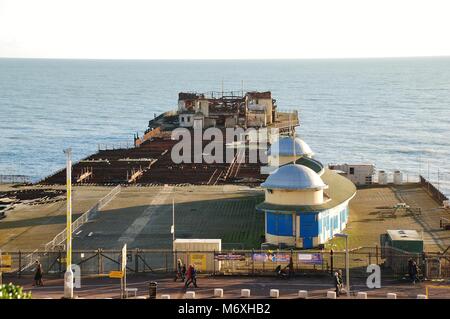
223	29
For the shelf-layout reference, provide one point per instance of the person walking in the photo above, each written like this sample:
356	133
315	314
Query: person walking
191	277
179	273
337	283
414	272
291	272
38	274
183	272
410	269
188	277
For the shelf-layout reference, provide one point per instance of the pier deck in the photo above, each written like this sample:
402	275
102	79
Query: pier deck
142	217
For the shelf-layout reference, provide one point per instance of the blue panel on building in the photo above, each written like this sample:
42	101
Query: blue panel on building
307	242
279	224
309	226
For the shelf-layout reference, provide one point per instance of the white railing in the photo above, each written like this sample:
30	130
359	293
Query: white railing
61	237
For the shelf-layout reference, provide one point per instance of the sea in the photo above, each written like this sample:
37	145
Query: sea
392	112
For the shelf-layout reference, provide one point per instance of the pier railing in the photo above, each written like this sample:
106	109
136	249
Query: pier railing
433	191
62	236
14	179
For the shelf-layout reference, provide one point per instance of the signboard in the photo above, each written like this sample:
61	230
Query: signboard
229	256
199	260
313	259
5	263
116	274
272	257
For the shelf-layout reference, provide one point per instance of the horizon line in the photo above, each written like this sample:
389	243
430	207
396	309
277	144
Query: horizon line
226	59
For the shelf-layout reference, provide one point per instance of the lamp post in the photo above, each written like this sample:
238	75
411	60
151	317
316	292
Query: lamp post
347	262
68	276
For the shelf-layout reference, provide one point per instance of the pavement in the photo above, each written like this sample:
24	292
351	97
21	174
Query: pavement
317	287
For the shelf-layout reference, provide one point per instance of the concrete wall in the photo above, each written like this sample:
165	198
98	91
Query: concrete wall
256	119
333	221
186	119
294	197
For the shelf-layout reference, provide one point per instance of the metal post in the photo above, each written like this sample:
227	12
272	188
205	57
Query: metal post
253	262
347	265
68	276
20	264
376	250
136	261
331	261
60	263
173	219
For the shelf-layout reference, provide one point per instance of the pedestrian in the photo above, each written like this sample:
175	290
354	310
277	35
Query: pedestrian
194	276
188	277
410	269
191	277
291	268
183	272
414	272
179	273
38	274
337	283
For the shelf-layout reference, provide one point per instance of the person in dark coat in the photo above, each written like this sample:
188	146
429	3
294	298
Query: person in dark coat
414	272
191	277
38	274
291	272
410	268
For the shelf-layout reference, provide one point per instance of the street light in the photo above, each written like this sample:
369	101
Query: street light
68	276
347	262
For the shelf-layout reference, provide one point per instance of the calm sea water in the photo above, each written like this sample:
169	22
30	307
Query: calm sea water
391	112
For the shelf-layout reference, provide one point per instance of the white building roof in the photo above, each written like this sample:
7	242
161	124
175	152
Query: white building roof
284	147
404	234
294	177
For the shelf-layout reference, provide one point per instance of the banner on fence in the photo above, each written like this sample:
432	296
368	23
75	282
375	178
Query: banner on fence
5	263
313	259
230	256
199	260
273	257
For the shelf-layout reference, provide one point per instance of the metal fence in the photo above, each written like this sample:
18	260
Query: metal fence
232	262
61	237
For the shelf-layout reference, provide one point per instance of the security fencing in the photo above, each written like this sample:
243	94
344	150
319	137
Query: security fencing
233	262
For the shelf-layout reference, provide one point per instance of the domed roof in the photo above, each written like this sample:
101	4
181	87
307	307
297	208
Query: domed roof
284	147
294	176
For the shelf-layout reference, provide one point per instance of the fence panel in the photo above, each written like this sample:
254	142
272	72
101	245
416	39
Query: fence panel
233	262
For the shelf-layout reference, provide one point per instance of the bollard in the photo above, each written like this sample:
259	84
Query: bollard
140	297
331	294
274	293
218	292
391	295
303	294
165	296
245	293
361	295
152	289
190	295
422	297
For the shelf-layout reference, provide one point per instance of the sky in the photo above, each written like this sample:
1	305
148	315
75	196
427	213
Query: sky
223	29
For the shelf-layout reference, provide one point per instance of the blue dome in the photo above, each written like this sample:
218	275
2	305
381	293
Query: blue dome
294	176
284	147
